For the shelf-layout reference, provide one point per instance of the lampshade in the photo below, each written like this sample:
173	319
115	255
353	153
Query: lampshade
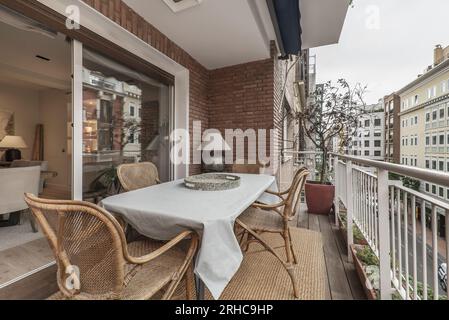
13	142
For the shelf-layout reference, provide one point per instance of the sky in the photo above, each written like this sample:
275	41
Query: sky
385	44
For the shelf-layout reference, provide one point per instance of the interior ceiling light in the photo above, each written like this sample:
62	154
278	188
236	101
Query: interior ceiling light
181	5
21	22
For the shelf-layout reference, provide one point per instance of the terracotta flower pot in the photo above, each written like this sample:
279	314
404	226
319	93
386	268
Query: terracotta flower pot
319	197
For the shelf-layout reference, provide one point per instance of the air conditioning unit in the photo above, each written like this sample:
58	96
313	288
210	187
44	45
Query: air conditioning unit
181	5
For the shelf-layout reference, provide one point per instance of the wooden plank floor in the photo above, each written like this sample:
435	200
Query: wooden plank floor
343	282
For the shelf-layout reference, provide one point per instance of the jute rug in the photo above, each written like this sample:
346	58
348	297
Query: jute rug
262	277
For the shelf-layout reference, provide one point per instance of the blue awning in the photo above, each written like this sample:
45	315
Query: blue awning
286	18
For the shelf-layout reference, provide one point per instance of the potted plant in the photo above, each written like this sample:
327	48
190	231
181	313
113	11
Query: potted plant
358	235
367	267
332	116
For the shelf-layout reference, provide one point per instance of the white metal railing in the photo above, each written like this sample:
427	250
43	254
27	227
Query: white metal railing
386	213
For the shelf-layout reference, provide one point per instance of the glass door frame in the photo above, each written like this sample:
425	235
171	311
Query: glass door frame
77	122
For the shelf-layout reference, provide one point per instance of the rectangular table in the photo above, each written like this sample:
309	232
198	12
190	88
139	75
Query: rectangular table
163	211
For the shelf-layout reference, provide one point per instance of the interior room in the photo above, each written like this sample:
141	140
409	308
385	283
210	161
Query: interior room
35	136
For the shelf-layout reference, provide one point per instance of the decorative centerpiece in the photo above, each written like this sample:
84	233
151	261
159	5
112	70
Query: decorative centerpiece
212	182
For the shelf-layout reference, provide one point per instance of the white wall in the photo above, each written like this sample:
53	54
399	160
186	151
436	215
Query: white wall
24	103
53	115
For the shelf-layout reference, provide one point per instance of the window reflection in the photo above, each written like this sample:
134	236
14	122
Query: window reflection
126	119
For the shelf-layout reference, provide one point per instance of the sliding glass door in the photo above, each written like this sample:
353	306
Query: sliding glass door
126	118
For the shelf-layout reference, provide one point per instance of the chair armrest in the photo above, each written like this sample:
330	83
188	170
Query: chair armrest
279	194
153	255
268	206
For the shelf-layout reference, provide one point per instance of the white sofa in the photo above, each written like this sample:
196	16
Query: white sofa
14	183
32	163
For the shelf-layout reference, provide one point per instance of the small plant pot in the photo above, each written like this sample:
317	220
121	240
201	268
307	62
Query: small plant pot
319	197
369	292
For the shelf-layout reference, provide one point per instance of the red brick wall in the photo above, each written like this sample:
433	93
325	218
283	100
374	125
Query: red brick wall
241	97
236	97
119	12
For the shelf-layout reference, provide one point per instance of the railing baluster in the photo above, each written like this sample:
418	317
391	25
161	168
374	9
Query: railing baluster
407	282
393	232
376	216
349	209
337	191
384	236
415	258
399	239
447	249
424	248
435	252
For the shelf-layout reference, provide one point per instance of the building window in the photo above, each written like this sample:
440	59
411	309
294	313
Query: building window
377	143
441	165
377	153
427	164
442	113
441	192
416	119
377	122
434	189
377	133
416	141
131	138
367	153
427	187
434	164
441	139
434	140
132	111
367	144
434	115
366	123
428	140
428	117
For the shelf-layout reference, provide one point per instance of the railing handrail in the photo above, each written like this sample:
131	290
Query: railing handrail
419	195
440	178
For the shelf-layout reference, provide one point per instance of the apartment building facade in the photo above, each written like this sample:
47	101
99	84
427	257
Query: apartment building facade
369	136
392	106
424	120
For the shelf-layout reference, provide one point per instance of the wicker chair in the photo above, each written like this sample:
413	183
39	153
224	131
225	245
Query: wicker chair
135	176
95	262
261	218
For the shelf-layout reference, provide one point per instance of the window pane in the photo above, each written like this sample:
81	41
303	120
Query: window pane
127	119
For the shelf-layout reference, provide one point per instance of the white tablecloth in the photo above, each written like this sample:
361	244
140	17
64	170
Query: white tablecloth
163	211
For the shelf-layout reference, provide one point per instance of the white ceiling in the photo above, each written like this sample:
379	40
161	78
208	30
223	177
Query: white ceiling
322	21
220	33
19	65
217	33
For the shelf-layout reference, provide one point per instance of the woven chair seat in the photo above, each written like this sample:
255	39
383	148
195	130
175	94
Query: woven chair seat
263	220
145	281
